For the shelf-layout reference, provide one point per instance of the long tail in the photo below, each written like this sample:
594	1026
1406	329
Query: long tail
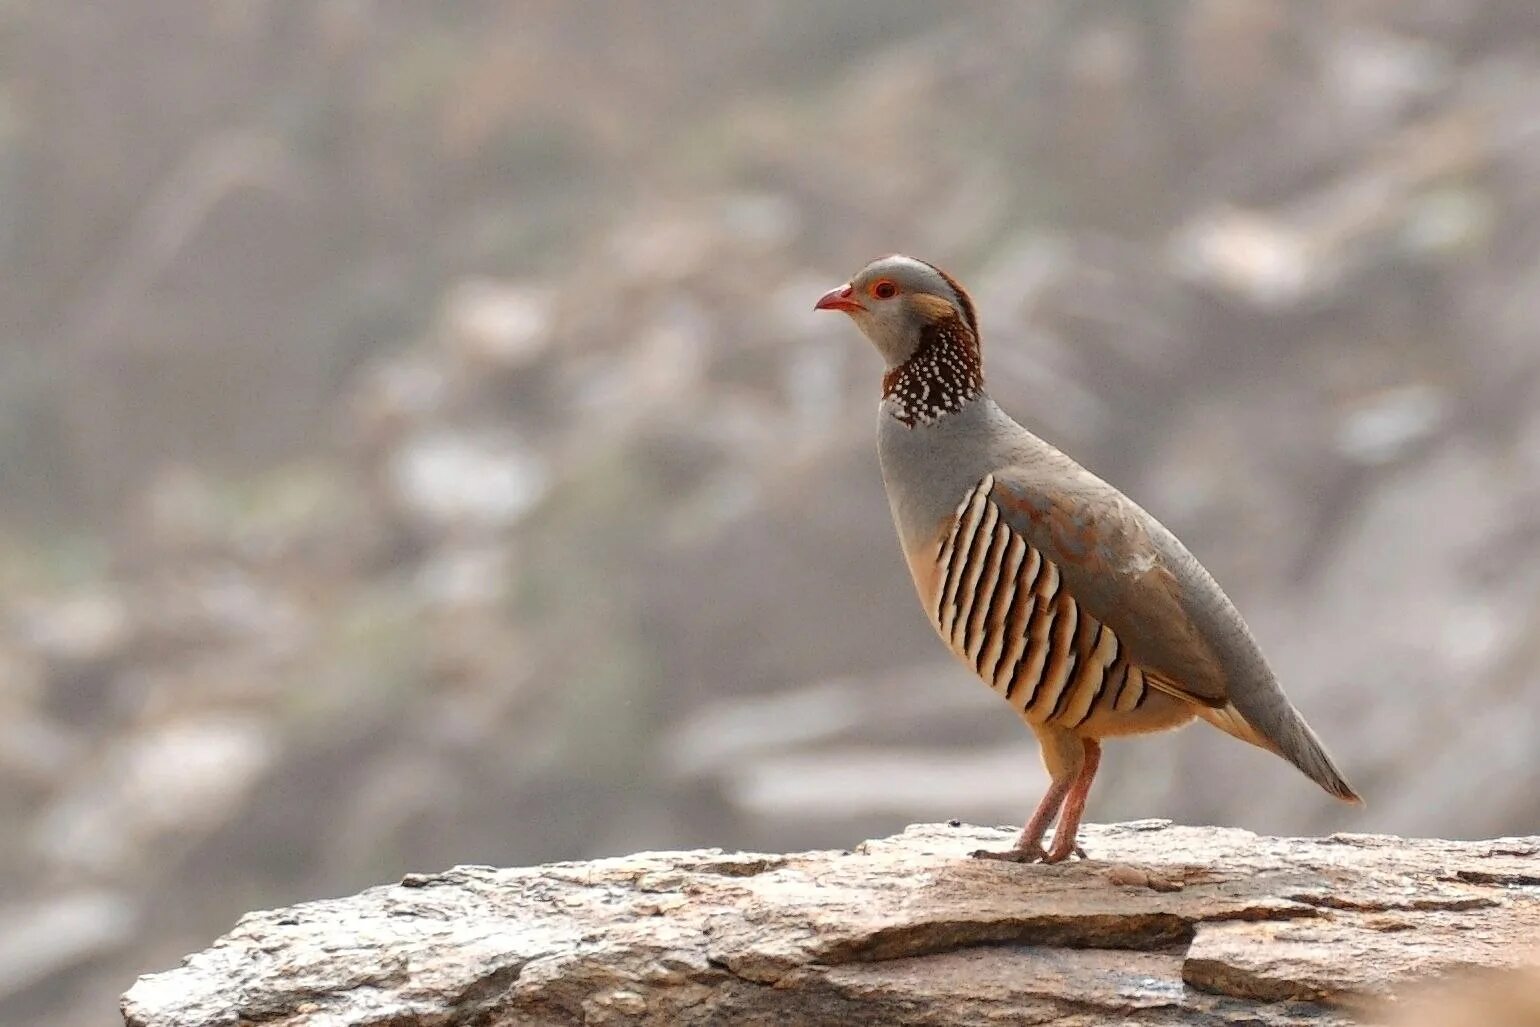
1280	729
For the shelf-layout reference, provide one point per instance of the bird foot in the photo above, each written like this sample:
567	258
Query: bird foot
1030	854
1057	855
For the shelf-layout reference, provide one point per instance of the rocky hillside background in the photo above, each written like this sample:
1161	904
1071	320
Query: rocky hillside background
417	446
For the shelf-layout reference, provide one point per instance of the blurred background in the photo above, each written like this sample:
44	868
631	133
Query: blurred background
417	445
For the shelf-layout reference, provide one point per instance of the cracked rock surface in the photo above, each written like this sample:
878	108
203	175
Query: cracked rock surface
1161	925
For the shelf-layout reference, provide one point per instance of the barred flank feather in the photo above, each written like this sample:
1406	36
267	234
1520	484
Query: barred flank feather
1000	606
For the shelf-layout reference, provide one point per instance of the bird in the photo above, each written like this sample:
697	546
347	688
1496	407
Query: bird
1068	599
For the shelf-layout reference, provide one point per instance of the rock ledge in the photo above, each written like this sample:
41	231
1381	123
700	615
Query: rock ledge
1163	925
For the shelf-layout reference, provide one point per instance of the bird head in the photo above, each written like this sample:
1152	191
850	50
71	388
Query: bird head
894	300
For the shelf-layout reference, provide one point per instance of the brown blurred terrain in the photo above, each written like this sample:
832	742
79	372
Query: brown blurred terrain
1508	998
417	447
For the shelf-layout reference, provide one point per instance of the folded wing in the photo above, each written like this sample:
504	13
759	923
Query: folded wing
1126	571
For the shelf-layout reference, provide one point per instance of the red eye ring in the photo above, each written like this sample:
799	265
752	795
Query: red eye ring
884	290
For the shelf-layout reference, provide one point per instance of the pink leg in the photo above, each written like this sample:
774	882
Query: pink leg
1064	756
1029	845
1074	807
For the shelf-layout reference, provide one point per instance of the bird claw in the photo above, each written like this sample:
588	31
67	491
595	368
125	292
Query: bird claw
1030	854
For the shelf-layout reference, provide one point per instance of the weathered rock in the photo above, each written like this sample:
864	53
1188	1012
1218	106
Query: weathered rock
1163	925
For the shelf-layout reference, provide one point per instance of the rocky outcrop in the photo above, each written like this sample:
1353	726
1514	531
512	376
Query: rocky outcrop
1162	925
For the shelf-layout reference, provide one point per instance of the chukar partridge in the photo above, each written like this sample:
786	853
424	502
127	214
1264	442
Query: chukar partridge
1079	608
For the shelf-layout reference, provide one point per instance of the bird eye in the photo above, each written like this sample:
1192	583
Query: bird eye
884	290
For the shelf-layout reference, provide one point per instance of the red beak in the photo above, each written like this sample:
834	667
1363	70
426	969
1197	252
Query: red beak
840	298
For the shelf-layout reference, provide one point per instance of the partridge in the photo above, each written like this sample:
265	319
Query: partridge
1079	608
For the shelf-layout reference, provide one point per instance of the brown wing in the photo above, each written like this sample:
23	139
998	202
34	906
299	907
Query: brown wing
1124	569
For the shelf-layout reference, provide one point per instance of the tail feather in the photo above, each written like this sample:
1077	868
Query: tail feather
1290	738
